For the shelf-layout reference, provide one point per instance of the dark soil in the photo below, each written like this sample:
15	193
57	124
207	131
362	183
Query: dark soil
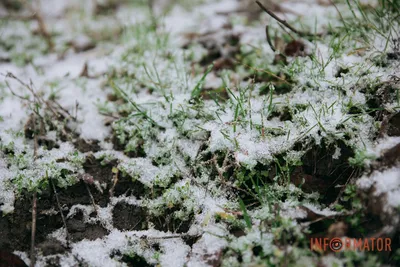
87	145
15	228
168	223
394	125
131	260
322	173
51	247
7	259
129	217
390	158
126	186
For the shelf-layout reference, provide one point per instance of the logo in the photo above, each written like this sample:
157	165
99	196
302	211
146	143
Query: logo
337	244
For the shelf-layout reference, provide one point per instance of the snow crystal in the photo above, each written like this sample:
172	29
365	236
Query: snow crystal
6	191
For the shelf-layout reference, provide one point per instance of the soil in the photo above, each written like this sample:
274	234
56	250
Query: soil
7	259
323	173
394	125
131	261
129	217
15	228
166	223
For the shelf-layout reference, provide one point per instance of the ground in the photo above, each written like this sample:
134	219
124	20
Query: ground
198	133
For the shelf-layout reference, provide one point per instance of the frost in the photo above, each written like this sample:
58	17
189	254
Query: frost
134	89
384	183
144	171
6	191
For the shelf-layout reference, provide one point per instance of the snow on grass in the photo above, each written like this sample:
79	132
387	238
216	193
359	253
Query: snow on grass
175	143
7	197
99	252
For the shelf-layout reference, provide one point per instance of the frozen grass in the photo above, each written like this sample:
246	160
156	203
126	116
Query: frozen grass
241	143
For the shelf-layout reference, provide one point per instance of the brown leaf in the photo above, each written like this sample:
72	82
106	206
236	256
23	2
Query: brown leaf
295	48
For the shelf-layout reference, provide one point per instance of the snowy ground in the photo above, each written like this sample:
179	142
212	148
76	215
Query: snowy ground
172	133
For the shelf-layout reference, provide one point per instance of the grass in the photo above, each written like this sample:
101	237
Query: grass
241	152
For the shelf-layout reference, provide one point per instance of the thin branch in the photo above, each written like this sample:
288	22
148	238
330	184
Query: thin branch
66	112
91	198
287	32
342	214
283	22
269	38
114	182
34	200
27	86
19	96
42	25
37	97
35	137
60	209
33	230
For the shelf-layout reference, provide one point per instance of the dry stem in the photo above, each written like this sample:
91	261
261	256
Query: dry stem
60	209
283	22
33	230
42	25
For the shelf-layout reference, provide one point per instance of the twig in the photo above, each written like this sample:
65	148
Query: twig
60	209
92	198
85	71
283	22
27	86
171	236
115	181
76	110
15	94
34	200
67	114
35	139
42	25
269	38
287	32
343	214
33	230
37	97
109	115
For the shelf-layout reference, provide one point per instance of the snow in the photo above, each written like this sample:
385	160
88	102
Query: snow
172	131
383	145
99	252
175	252
324	212
12	114
143	170
209	244
7	197
385	183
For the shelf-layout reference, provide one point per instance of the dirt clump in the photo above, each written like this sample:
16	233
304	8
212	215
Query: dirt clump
129	217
